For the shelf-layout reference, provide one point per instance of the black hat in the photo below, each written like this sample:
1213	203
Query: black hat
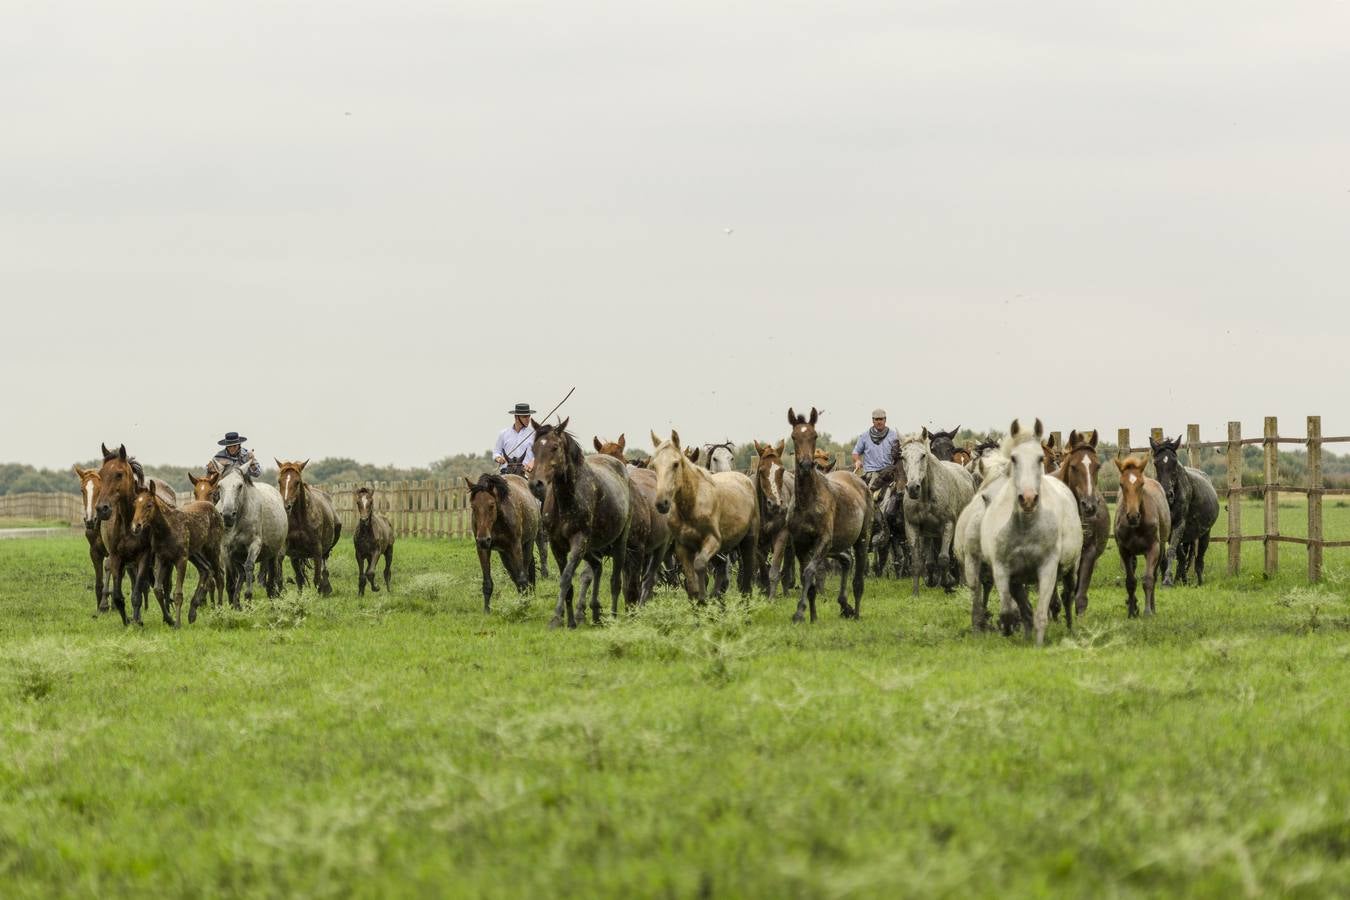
231	438
523	409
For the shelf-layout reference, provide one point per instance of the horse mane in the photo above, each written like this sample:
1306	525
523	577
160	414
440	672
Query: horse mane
490	482
137	470
1133	462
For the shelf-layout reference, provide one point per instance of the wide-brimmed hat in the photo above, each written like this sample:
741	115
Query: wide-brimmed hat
231	438
522	409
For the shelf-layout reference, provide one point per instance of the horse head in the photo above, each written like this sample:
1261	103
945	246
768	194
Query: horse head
290	481
555	454
486	497
89	487
672	467
119	477
1167	464
1080	471
804	439
145	508
610	448
942	444
721	457
823	460
915	452
1132	481
1028	465
768	471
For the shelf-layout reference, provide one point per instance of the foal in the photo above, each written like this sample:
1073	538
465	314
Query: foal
374	537
194	533
1143	525
1079	471
98	555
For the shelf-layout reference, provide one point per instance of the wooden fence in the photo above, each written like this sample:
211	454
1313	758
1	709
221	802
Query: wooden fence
440	508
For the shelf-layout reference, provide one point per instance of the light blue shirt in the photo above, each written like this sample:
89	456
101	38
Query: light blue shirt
511	442
876	457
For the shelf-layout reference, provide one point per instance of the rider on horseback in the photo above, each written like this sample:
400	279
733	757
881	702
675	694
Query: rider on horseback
233	454
515	438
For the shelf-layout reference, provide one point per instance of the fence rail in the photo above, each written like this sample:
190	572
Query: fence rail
440	508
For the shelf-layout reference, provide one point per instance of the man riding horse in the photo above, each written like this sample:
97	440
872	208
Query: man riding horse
515	438
873	451
233	454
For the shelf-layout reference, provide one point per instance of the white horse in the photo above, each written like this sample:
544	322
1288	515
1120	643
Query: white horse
255	530
720	457
991	469
935	494
1030	533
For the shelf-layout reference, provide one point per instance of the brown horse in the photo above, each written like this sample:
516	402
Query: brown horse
1143	525
373	538
961	456
505	518
824	460
648	536
193	534
120	477
98	555
775	493
1079	471
587	511
313	528
1054	454
831	515
710	513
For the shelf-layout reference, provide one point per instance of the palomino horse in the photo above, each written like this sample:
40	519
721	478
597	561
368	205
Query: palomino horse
255	526
587	512
935	493
775	495
1194	507
831	519
1079	471
120	477
505	519
1143	525
648	534
373	538
979	577
313	527
709	514
1030	533
193	534
89	485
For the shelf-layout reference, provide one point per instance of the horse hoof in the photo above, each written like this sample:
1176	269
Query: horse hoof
553	623
798	617
375	588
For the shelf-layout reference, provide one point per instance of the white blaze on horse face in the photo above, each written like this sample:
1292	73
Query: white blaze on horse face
1133	478
774	469
1087	473
89	499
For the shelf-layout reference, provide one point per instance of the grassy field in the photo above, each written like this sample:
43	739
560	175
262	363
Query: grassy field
409	745
8	522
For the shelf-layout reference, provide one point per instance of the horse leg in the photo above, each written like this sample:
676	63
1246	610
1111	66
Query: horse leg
100	604
1201	546
576	547
720	564
619	558
389	566
298	569
814	558
745	574
542	540
846	562
1086	563
1007	611
1070	589
1128	561
979	616
205	576
144	570
595	567
916	546
1169	560
1150	566
180	571
779	552
485	563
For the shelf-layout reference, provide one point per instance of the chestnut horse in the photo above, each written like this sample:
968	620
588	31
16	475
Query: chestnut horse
193	534
312	526
649	534
711	514
120	477
89	485
505	519
1143	526
587	511
831	515
1079	471
1054	454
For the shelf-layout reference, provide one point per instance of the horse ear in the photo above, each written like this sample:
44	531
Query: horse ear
562	426
656	441
1040	429
122	452
758	452
1119	464
193	478
303	464
781	445
814	416
954	432
468	482
1176	444
675	438
1074	438
1092	442
78	473
106	453
277	461
621	442
792	417
924	432
596	441
535	424
1153	445
1016	429
152	487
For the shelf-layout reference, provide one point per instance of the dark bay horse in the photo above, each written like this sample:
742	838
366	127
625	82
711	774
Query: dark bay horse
649	534
120	477
1194	507
587	511
942	444
831	519
98	555
775	494
1079	470
505	519
313	527
373	538
1143	526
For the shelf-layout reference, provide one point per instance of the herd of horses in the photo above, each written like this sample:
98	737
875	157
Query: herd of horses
1009	516
234	525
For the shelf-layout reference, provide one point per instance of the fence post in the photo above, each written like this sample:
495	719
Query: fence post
1122	442
1314	498
1192	451
1272	496
1234	497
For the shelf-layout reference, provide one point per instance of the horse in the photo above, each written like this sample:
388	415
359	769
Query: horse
98	555
942	444
1030	533
515	465
587	512
506	519
775	496
1054	454
255	526
1143	525
888	519
1079	470
119	478
978	575
935	493
709	514
831	516
649	534
313	527
824	460
193	534
961	456
1194	508
719	457
373	538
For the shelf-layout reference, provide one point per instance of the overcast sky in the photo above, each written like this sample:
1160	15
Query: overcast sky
367	229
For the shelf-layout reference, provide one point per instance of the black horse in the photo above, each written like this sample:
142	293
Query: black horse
1194	505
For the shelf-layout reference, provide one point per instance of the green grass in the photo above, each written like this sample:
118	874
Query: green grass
7	522
409	745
